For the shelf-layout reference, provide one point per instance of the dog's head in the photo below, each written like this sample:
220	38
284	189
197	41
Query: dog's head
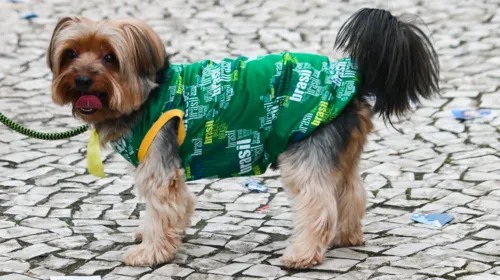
105	69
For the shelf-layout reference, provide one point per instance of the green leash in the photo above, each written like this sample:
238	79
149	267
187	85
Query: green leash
42	135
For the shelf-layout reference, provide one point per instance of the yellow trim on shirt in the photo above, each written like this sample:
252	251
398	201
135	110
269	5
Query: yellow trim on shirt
153	131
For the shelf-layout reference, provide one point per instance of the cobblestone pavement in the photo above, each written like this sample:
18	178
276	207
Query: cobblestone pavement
55	219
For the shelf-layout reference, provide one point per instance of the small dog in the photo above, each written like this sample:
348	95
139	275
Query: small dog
299	112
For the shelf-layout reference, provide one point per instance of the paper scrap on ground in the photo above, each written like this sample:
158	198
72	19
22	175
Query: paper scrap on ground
469	114
254	185
75	277
263	208
437	220
29	15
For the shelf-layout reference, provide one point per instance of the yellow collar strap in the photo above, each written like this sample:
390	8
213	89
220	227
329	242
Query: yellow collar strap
153	131
94	160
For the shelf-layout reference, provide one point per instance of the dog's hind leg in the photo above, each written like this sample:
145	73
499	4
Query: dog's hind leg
351	196
321	175
310	180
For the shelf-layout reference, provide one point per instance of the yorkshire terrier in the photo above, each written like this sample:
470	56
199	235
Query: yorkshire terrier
300	113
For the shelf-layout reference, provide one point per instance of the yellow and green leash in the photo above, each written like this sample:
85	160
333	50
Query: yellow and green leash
94	160
42	135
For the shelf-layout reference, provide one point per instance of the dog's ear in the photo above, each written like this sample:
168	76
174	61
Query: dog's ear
145	46
62	24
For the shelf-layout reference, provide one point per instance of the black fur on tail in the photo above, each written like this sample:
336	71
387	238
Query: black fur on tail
395	59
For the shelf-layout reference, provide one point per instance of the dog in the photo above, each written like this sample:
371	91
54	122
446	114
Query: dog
297	112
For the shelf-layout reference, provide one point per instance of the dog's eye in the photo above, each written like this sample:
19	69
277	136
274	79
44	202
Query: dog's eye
71	54
109	58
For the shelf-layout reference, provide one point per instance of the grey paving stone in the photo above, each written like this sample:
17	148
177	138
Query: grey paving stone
252	258
16	277
413	232
19	231
227	229
489	234
261	270
173	270
154	277
69	242
256	237
346	253
53	262
197	250
9	246
453	262
436	271
465	244
480	257
241	246
273	246
407	249
93	266
78	254
38	211
275	230
199	276
130	271
482	276
117	237
225	220
205	265
210	239
397	271
214	196
92	229
312	275
8	266
476	267
60	213
33	251
341	265
43	273
231	269
43	223
100	245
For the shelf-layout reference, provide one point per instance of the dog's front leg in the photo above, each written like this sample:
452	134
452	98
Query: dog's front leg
169	204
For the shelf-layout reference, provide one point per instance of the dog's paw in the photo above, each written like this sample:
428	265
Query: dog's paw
349	240
300	259
145	255
138	237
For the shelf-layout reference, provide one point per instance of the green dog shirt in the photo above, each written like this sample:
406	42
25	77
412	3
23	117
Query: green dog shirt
238	115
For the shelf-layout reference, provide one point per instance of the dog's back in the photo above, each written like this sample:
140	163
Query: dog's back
241	114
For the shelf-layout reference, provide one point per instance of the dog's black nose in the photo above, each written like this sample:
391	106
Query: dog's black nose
83	82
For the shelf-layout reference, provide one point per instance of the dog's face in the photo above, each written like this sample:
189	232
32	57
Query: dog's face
105	69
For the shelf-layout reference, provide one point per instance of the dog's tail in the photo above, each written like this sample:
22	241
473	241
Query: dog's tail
396	60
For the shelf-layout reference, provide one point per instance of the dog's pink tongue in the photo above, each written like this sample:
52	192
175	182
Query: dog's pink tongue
88	102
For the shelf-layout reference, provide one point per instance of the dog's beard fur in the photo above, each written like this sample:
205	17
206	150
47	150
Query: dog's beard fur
397	64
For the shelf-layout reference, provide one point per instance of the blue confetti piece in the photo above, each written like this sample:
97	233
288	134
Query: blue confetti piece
29	15
437	220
